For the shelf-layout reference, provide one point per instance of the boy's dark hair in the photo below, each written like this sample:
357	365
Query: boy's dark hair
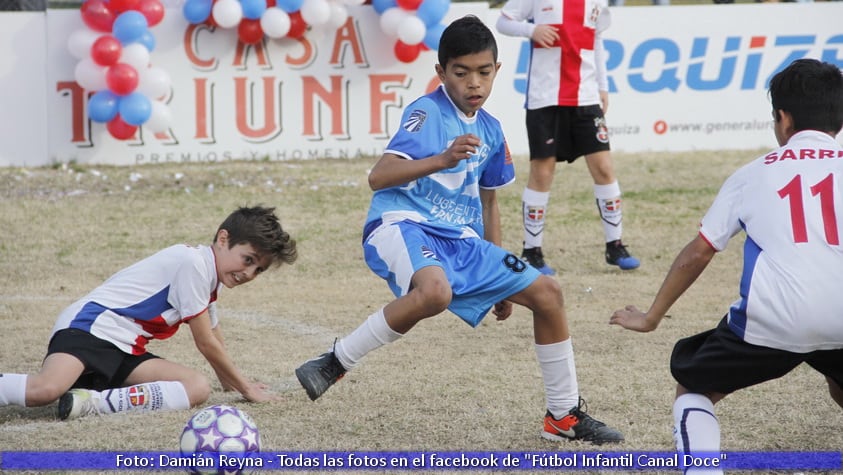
466	35
259	227
812	92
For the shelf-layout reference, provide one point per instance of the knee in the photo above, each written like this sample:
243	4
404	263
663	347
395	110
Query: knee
40	391
548	293
433	297
198	388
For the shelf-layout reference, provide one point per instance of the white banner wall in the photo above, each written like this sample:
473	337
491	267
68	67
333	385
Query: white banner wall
681	78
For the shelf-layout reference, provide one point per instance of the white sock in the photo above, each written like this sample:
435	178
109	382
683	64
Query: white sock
695	429
370	335
534	208
608	198
157	396
12	389
559	373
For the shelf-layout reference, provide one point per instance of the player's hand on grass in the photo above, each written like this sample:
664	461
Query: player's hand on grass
503	310
257	392
633	319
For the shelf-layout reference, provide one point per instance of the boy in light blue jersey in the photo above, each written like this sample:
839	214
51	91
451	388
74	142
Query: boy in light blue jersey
433	233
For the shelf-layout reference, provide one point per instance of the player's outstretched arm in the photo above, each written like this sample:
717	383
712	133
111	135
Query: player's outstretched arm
687	266
217	356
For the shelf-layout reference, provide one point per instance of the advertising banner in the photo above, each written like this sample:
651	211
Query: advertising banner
689	77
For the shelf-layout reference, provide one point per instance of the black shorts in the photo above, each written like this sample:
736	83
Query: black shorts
106	366
566	133
719	361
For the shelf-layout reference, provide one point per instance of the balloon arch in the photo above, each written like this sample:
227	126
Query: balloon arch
128	91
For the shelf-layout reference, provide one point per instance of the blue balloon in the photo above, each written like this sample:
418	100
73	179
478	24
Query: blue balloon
197	11
135	108
433	35
102	106
129	27
290	6
381	6
147	40
432	12
253	9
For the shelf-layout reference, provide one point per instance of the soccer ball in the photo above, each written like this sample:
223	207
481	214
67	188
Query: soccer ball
216	430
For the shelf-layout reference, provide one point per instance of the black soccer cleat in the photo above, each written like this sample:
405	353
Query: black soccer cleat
617	255
577	425
535	258
319	374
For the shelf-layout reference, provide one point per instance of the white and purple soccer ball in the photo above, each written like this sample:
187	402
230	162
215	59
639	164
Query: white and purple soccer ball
218	429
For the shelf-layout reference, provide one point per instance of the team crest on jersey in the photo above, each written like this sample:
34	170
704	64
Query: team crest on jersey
137	395
428	253
415	121
602	131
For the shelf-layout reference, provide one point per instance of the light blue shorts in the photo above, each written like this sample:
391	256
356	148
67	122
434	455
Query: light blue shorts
481	274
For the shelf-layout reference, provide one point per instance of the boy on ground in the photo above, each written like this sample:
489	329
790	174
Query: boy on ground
789	202
98	344
567	98
433	233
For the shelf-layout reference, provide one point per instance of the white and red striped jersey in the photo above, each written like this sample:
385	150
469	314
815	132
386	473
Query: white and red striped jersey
789	203
573	71
149	299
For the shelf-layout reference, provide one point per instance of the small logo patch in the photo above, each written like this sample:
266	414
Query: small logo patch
428	253
415	121
602	131
137	395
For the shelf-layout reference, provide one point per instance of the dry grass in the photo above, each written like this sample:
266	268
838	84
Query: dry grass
444	386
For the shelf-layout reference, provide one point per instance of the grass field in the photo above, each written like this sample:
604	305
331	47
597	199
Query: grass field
444	386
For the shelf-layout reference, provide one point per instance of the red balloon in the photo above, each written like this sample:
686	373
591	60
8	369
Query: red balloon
121	79
119	129
97	15
106	50
120	6
411	5
153	10
298	26
271	3
249	31
407	53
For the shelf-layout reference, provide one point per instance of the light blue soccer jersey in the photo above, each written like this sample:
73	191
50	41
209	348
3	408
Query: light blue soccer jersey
447	203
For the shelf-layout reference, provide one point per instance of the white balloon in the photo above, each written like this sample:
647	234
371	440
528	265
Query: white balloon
411	30
315	12
90	75
154	82
160	119
227	13
135	55
80	41
275	22
352	3
391	18
339	15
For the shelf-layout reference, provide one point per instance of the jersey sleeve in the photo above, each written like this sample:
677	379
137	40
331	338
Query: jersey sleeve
500	171
420	135
189	294
722	221
518	10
